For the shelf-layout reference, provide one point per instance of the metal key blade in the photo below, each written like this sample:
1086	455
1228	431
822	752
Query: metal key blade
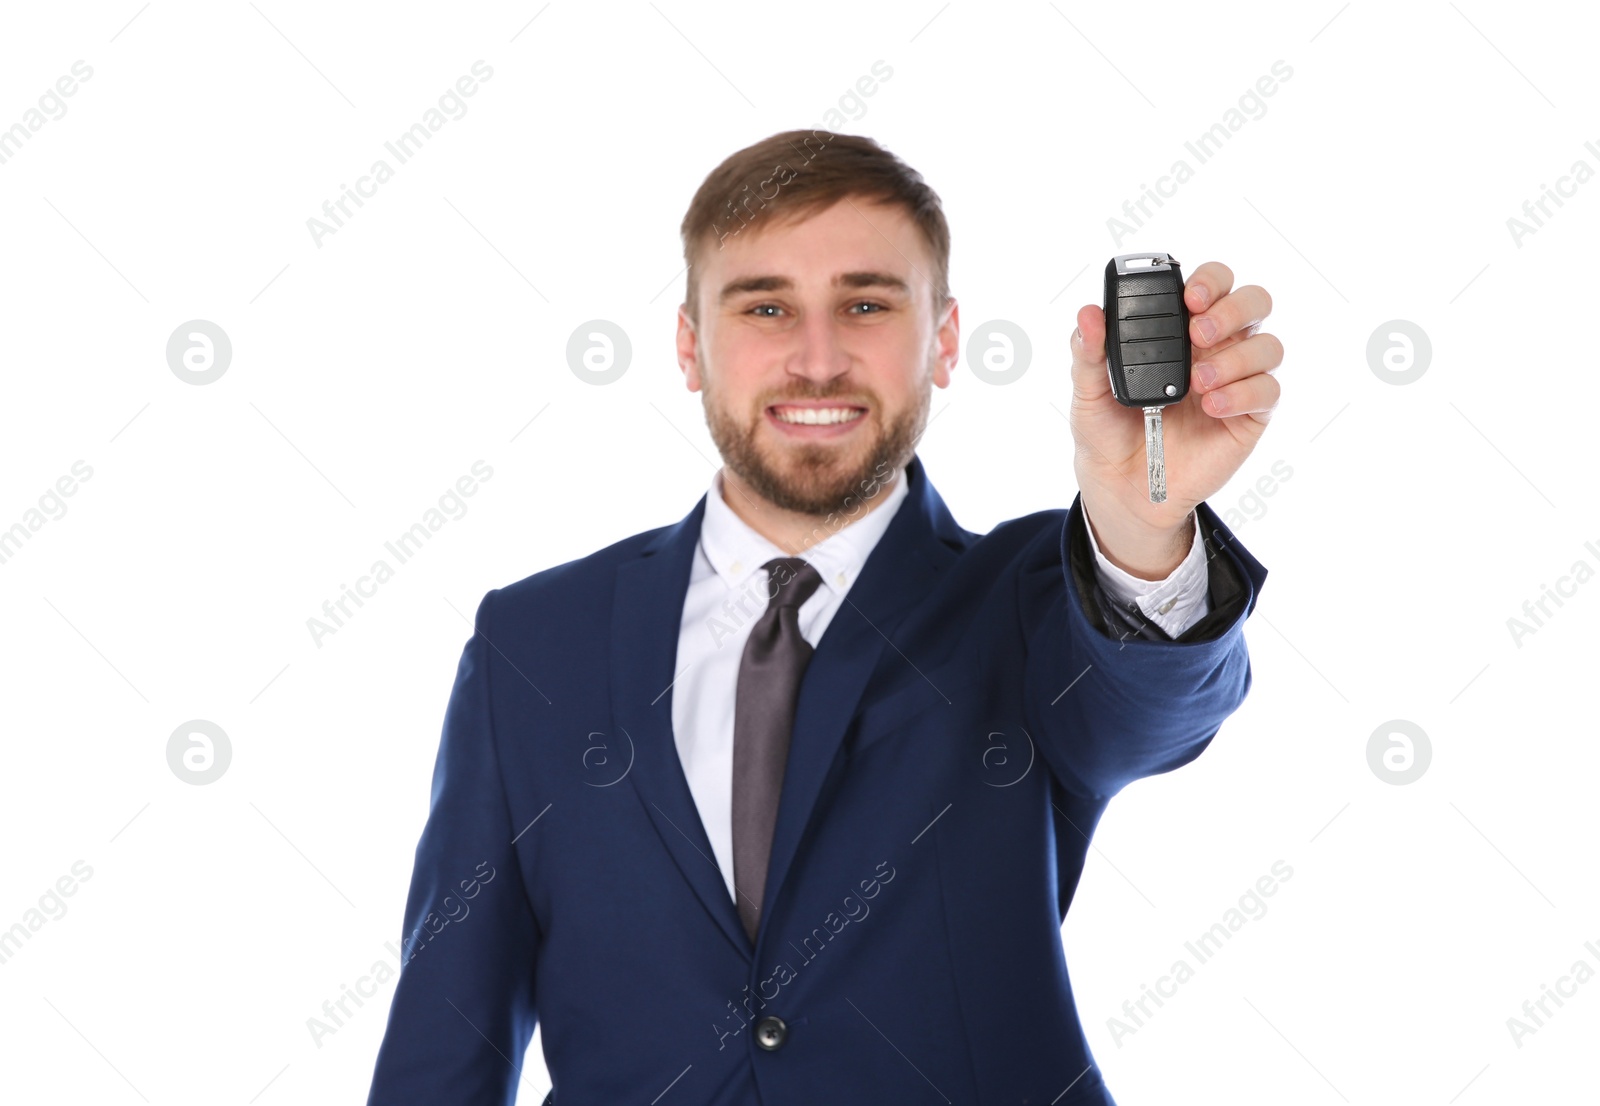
1155	455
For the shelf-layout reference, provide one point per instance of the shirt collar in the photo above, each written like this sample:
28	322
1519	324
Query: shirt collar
736	552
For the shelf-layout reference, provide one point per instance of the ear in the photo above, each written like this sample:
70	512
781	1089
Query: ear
688	349
948	338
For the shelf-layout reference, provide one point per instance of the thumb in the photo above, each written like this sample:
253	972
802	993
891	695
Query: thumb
1089	381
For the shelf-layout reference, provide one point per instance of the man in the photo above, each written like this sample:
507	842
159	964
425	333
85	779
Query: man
784	804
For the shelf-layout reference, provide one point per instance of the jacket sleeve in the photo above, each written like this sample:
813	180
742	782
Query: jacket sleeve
463	1010
1113	697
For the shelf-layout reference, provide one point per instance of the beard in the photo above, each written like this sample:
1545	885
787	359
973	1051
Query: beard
814	478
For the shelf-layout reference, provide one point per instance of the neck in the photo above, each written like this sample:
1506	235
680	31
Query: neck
792	531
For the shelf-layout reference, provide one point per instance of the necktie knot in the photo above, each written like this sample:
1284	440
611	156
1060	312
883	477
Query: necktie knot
793	581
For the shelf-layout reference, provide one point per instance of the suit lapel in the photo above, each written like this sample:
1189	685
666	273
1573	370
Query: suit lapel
901	569
647	612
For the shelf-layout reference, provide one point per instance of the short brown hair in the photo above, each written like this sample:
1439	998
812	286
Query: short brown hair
810	170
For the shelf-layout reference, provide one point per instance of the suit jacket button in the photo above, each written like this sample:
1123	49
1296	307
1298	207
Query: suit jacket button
770	1032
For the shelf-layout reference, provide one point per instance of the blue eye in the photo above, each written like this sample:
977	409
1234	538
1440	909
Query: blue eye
865	303
764	306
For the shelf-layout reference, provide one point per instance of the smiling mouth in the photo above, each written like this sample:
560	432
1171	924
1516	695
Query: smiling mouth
797	415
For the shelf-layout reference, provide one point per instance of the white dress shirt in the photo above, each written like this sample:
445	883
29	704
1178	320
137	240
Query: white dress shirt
728	593
1174	604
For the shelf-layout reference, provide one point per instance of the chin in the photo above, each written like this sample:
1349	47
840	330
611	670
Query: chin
821	476
809	478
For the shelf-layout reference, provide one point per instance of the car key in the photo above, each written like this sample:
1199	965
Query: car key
1147	346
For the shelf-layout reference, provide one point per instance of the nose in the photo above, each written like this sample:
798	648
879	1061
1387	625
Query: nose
820	354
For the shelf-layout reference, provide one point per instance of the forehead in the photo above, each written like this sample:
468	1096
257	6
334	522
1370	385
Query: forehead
822	247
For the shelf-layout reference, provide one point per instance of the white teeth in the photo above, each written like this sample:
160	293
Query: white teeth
818	416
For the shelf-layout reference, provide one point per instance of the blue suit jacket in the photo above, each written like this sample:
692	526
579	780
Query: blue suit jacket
960	728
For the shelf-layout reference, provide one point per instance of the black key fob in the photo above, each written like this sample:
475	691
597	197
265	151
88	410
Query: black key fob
1147	330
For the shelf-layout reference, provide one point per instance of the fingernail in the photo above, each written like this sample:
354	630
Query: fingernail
1207	373
1077	334
1207	328
1201	296
1218	403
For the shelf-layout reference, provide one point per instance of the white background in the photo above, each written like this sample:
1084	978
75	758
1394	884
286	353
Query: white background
369	372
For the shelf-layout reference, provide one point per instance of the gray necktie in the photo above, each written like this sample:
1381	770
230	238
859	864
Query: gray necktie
775	657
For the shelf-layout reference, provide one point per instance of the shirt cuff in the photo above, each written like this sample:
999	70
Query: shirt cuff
1174	604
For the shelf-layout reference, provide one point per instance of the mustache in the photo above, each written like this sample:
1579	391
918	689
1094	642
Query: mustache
844	398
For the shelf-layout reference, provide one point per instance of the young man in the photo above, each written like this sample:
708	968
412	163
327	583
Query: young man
785	803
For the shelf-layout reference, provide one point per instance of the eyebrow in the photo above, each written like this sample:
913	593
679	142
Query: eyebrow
861	279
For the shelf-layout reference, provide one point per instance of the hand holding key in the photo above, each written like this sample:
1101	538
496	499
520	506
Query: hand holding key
1147	347
1207	434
